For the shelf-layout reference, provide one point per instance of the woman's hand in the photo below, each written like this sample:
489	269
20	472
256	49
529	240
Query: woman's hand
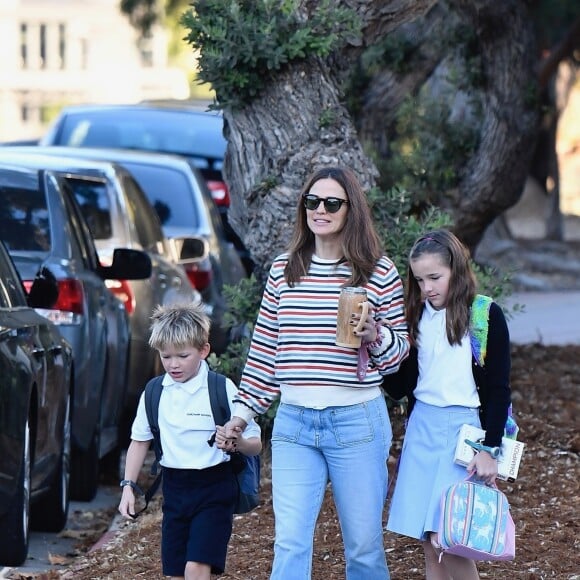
368	329
232	425
228	444
485	466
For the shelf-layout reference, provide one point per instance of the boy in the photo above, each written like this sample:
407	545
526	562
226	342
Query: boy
199	485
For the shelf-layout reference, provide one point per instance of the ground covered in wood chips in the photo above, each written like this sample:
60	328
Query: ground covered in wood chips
544	499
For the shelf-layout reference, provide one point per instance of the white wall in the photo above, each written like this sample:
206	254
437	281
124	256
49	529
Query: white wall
102	62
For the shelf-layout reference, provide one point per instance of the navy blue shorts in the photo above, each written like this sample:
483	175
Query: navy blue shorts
198	507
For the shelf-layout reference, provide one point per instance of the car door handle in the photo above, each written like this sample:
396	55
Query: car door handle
55	349
162	280
38	352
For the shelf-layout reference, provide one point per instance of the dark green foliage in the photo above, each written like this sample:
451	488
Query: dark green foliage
552	20
398	228
243	306
429	150
242	44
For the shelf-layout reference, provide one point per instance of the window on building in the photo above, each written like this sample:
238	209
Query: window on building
23	45
84	53
62	45
42	46
146	51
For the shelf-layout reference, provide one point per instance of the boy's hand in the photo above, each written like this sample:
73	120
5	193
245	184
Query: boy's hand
127	503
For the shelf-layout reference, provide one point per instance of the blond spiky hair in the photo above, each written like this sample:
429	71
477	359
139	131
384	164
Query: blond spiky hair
179	325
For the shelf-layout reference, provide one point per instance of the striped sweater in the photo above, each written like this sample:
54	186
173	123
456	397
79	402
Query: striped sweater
293	340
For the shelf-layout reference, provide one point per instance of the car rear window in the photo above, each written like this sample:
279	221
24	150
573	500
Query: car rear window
169	192
24	216
186	133
93	199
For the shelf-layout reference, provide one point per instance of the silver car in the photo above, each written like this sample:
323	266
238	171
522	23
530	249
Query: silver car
186	209
119	215
43	228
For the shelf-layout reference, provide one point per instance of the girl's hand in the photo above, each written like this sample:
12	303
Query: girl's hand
485	466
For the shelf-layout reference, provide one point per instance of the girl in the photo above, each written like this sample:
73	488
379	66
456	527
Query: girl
445	389
332	423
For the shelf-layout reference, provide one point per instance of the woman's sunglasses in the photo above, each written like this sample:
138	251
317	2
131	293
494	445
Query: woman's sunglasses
331	204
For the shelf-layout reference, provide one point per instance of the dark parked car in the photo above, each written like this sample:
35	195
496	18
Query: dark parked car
185	209
43	227
119	214
35	421
166	126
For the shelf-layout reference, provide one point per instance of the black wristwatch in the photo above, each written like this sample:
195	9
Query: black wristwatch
130	482
493	451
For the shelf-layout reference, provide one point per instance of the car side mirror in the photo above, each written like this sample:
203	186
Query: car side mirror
127	265
189	249
44	290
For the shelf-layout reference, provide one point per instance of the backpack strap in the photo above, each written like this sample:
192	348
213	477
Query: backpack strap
478	331
152	397
218	397
479	326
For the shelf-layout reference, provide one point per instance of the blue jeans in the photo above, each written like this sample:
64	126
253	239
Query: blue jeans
350	446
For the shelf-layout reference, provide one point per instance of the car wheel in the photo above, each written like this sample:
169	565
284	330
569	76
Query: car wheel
14	525
50	513
84	480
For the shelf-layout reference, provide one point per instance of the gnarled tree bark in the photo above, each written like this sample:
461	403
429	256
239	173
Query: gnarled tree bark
301	123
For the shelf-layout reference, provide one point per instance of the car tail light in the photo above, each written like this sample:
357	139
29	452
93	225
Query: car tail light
199	275
70	296
122	290
219	192
69	306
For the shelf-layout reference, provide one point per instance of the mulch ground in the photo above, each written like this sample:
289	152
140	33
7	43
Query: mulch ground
544	499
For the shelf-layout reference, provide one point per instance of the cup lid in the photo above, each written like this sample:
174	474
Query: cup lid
354	290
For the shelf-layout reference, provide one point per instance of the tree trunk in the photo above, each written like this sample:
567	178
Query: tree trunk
298	125
493	178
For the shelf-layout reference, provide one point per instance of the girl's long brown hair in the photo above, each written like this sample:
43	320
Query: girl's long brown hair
462	284
361	246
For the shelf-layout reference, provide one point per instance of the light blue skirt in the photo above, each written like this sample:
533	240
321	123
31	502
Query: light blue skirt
426	468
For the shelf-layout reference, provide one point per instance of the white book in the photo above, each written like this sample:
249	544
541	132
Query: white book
511	451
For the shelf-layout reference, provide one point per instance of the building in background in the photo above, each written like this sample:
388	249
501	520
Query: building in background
60	52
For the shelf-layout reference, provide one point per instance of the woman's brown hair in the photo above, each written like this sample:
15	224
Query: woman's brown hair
462	283
361	246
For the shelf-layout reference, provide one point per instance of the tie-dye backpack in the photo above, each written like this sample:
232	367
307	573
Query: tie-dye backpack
476	523
478	330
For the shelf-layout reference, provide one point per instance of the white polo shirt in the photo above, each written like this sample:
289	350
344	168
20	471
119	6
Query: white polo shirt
445	372
186	423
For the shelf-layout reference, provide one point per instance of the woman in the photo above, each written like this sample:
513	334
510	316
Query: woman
331	424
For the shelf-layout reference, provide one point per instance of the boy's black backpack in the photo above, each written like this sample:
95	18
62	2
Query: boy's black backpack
247	468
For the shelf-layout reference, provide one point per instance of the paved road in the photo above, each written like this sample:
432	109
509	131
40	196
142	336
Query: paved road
43	545
551	318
